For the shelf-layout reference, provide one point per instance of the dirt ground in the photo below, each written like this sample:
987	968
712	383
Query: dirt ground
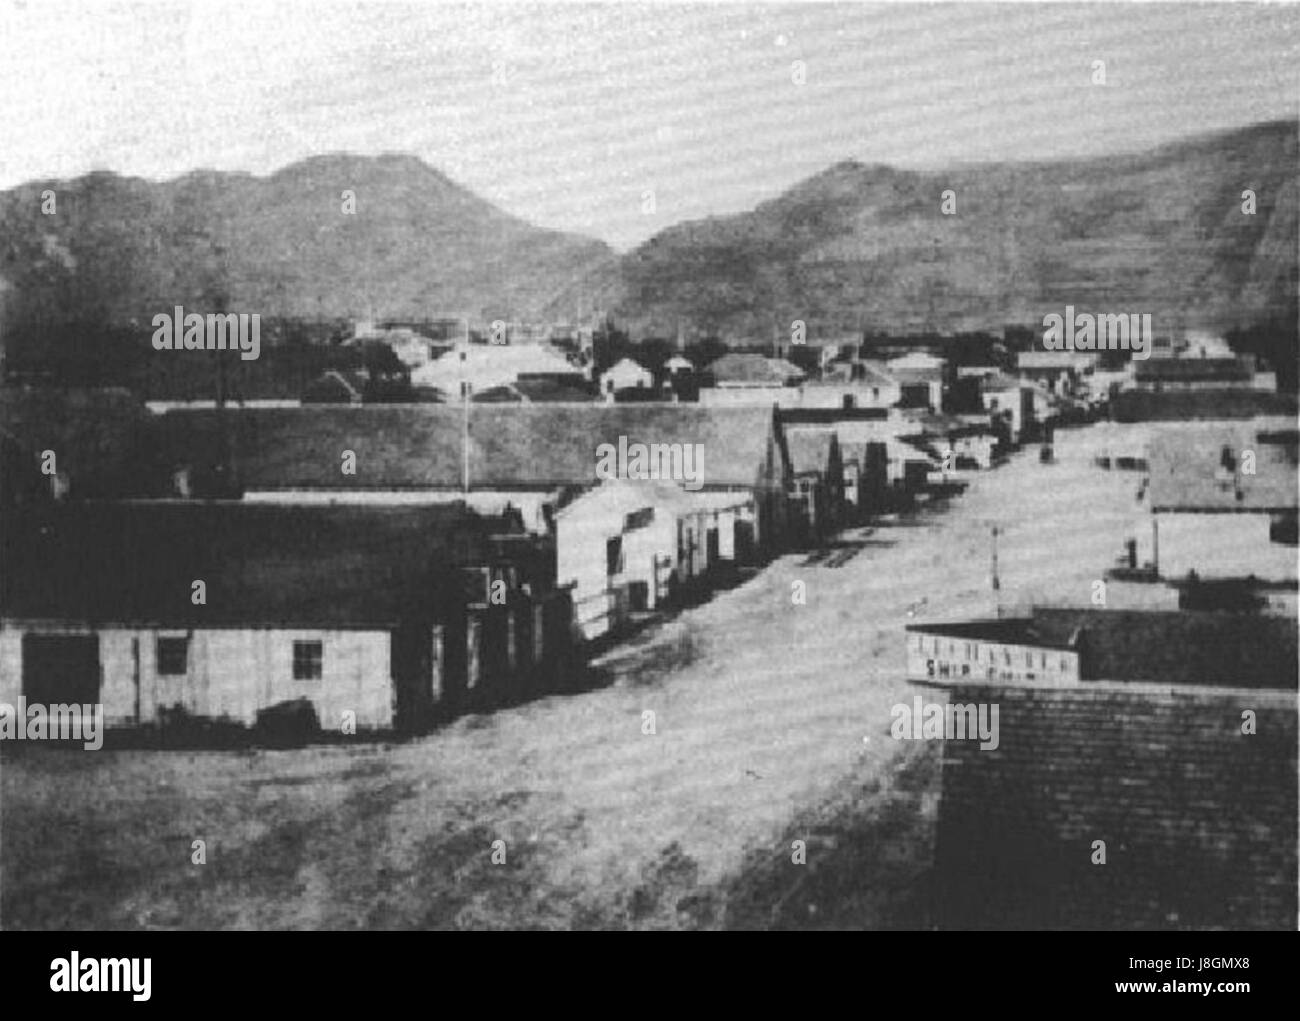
771	726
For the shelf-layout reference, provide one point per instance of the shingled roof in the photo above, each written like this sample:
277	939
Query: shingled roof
1193	473
406	447
262	565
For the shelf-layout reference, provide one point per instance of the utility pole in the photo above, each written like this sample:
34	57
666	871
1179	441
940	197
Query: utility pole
997	584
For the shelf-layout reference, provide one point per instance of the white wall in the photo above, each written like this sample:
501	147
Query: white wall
929	655
1220	546
232	672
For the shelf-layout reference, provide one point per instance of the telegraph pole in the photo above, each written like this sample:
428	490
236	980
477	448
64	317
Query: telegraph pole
464	432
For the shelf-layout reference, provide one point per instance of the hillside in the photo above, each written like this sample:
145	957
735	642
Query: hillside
866	247
418	245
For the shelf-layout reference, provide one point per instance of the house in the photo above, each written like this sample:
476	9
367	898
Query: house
1140	771
1161	374
631	545
817	485
1223	503
677	364
1060	372
856	384
484	366
750	379
625	374
410	346
969	439
889	470
919	387
916	360
1004	396
381	617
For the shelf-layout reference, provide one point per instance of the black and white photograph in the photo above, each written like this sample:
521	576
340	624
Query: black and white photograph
605	466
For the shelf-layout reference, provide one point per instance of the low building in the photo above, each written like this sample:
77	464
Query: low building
1061	372
625	374
1161	374
817	485
1223	504
377	617
1004	396
484	366
750	379
850	385
969	440
1141	772
633	545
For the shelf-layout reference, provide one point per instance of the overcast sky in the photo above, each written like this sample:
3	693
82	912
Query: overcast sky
566	114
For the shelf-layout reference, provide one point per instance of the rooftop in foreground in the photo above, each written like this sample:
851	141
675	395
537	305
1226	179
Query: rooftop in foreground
1165	647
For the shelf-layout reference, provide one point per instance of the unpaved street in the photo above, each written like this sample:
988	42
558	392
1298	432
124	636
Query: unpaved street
771	724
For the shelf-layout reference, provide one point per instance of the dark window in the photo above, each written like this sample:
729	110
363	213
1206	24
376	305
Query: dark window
173	655
307	660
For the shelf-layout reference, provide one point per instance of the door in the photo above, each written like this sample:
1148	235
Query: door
61	669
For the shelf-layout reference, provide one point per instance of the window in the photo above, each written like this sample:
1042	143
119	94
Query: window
307	659
173	656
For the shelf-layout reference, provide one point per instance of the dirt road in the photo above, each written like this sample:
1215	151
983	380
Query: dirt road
771	724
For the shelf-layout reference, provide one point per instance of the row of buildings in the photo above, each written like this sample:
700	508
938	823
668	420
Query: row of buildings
400	562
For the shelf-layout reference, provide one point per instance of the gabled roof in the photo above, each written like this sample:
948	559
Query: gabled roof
626	365
739	367
810	449
537	446
1195	473
866	373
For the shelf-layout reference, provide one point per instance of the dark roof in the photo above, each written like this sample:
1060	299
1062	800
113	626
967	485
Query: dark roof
420	446
262	565
1170	405
938	424
94	433
1188	473
826	416
1165	647
547	390
1186	370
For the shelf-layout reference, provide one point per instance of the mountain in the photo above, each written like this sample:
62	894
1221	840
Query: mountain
867	247
418	245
